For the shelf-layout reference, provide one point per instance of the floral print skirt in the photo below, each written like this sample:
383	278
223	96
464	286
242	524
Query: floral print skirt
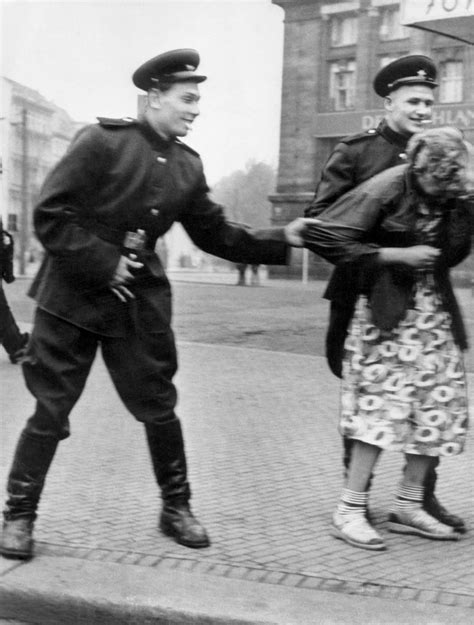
405	390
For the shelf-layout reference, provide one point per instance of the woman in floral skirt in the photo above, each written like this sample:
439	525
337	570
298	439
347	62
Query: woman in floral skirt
404	385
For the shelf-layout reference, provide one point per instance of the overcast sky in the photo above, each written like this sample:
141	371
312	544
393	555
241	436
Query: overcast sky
81	55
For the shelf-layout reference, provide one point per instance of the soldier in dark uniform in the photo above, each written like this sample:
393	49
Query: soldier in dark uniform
120	186
11	338
407	86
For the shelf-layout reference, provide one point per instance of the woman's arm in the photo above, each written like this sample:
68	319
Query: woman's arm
344	232
416	256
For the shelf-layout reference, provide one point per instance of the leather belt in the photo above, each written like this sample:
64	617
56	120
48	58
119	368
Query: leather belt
128	239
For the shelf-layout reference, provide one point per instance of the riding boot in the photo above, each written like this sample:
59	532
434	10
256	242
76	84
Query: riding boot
166	445
33	457
432	505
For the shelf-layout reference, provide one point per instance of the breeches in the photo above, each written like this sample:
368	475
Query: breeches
59	360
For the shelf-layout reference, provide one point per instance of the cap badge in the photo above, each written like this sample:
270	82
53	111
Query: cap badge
422	73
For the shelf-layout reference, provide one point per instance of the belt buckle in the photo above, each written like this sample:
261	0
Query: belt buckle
135	240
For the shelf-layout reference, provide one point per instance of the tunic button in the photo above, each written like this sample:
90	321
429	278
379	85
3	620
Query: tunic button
161	160
155	212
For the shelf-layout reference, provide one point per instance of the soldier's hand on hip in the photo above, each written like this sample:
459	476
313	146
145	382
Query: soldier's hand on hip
123	275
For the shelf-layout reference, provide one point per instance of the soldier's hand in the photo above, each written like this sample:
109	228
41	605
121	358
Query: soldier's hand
123	275
295	230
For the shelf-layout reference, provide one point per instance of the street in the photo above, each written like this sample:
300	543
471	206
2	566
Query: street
284	316
259	410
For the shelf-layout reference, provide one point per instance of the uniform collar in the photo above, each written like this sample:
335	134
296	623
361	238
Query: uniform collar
156	141
392	136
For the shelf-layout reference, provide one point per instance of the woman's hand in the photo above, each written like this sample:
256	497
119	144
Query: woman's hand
416	256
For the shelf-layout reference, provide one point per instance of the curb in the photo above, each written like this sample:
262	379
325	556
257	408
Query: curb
62	590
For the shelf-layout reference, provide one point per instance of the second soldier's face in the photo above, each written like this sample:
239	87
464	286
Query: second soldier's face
175	110
409	109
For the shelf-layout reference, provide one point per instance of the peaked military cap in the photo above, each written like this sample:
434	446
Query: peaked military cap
172	66
415	69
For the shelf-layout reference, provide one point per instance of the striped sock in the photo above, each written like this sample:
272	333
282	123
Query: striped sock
352	502
409	497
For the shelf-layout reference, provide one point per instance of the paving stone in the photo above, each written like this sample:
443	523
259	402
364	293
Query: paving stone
464	601
265	475
447	598
311	582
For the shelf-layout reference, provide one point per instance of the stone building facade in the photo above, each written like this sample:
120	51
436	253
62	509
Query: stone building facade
332	51
34	134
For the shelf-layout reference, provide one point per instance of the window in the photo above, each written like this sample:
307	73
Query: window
343	31
12	222
451	79
390	26
342	84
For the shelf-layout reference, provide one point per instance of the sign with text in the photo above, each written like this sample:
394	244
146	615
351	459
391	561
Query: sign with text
343	124
452	18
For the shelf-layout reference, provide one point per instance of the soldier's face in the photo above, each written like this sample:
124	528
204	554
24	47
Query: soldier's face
174	111
409	109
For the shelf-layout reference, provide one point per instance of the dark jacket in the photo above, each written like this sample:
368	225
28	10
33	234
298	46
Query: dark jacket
120	176
354	160
382	213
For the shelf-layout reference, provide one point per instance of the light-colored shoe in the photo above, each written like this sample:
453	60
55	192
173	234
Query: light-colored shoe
357	531
419	523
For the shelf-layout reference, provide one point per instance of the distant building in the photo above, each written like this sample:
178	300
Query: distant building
34	134
332	51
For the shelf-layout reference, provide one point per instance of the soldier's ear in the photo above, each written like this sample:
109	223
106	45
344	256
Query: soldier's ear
388	104
154	99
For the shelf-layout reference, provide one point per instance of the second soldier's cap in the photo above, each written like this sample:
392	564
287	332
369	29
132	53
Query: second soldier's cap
415	69
172	66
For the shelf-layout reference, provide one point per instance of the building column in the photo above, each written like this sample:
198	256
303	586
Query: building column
365	58
300	87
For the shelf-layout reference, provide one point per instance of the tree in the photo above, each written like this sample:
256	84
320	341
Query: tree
244	194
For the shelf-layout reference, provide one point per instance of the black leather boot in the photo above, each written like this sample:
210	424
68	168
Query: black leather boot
432	505
33	457
166	445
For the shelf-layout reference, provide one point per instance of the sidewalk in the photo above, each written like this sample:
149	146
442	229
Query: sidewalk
264	458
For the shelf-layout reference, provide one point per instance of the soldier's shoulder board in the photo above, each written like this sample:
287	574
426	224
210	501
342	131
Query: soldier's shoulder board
360	136
121	122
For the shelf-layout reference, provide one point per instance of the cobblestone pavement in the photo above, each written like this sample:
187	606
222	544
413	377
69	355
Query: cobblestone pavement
265	469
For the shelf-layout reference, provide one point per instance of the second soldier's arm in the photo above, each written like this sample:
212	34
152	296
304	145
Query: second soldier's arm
336	179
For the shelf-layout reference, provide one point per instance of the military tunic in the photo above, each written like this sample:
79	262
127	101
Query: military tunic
119	176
